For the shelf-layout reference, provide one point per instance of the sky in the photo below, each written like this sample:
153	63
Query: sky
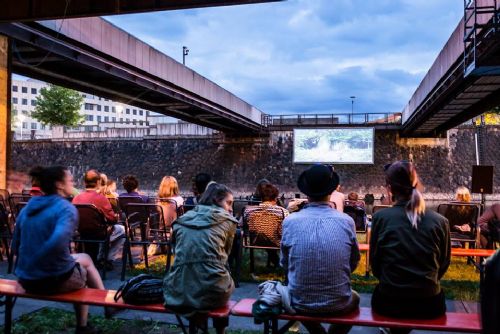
307	56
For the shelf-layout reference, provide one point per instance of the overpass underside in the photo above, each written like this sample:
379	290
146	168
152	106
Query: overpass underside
43	54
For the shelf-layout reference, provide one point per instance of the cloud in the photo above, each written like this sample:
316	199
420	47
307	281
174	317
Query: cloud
307	56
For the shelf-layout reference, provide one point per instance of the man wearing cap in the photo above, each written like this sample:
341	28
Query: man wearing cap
319	251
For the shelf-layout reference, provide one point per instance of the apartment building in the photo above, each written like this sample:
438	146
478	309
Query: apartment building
99	112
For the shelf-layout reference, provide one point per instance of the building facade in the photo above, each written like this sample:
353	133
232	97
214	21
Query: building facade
97	111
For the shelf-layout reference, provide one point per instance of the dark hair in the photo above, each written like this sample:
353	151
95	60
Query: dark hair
259	188
403	179
201	181
269	192
353	196
214	194
35	181
130	183
91	178
48	177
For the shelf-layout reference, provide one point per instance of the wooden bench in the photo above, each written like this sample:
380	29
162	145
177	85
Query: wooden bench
453	322
469	253
12	290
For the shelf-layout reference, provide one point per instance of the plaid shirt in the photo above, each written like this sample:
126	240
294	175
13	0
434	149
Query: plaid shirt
319	250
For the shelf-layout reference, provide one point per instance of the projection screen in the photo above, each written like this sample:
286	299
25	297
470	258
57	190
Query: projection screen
333	146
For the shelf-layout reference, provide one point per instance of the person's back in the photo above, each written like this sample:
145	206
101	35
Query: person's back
320	250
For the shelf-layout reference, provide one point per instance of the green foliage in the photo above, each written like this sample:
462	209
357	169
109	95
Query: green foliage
58	106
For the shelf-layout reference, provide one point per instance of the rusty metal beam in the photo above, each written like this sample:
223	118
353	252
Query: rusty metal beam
34	10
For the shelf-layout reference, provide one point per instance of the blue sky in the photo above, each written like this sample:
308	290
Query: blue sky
308	56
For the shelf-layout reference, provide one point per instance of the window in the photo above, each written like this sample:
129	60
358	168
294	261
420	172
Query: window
25	112
99	119
141	123
106	119
133	121
141	112
98	107
42	127
33	91
33	126
128	120
33	103
114	119
135	111
89	106
24	89
113	109
25	125
14	100
89	118
24	102
106	108
121	120
127	111
14	88
84	96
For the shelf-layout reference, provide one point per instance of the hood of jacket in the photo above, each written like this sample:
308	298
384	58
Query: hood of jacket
39	203
205	216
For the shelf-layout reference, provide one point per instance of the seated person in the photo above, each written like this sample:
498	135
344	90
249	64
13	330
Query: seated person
131	186
41	240
319	251
353	200
265	227
489	223
199	280
92	181
169	189
462	194
200	183
338	198
410	251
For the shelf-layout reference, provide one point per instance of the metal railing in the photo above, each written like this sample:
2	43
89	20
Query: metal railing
332	119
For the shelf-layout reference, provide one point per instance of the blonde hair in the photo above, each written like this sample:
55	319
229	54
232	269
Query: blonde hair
462	194
403	179
168	187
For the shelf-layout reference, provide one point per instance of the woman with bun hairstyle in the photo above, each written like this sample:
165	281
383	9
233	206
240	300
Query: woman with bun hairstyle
43	233
410	251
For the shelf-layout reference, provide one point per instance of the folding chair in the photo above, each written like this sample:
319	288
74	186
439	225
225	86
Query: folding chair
14	199
6	236
93	232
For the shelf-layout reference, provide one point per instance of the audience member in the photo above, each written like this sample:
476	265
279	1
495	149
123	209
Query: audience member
489	223
268	234
199	279
256	197
92	180
338	198
35	182
42	235
353	200
462	195
169	190
131	186
101	189
200	183
460	216
410	251
319	251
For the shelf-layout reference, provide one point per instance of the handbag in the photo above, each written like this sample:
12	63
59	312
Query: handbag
140	290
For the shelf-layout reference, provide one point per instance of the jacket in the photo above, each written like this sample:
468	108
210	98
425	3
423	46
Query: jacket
490	295
199	280
409	262
42	237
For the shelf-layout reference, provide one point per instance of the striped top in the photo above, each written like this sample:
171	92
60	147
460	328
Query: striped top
319	250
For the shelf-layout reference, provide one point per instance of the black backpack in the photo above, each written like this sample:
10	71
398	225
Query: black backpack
140	290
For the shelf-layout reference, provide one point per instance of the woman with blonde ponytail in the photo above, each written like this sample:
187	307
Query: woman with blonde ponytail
409	250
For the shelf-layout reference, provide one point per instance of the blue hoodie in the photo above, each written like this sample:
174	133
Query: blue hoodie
42	237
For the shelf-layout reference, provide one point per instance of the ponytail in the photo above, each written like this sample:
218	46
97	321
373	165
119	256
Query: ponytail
415	207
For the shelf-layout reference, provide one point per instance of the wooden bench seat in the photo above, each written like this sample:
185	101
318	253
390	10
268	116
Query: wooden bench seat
12	289
453	322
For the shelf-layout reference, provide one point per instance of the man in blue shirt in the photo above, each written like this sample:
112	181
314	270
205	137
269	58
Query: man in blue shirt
319	251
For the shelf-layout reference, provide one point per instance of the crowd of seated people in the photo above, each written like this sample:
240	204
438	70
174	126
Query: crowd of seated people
410	245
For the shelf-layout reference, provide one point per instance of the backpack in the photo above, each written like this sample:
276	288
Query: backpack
141	289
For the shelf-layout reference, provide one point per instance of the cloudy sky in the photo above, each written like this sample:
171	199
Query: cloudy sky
308	56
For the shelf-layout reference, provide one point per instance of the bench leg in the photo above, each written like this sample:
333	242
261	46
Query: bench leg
252	264
126	246
220	324
9	305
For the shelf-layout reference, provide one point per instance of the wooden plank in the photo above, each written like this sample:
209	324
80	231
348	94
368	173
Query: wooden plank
4	109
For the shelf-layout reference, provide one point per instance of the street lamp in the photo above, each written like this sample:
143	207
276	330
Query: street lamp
20	123
185	52
352	107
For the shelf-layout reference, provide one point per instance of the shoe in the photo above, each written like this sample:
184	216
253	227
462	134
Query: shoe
89	329
110	312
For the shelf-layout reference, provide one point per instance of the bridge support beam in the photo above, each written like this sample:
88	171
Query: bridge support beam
5	81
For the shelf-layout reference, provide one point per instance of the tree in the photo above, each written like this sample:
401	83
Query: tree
58	106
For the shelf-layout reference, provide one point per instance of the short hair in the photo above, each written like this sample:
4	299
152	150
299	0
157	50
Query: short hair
168	187
48	177
35	182
214	194
201	181
130	183
92	178
258	188
353	196
269	192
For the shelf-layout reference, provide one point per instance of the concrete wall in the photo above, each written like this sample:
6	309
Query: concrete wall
443	164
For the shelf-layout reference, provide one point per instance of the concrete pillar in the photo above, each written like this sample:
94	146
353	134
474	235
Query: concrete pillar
5	78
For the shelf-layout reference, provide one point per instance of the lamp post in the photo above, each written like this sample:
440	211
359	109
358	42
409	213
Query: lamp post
20	123
185	52
352	107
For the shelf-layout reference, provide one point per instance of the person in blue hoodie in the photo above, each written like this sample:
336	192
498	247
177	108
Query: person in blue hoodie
41	241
